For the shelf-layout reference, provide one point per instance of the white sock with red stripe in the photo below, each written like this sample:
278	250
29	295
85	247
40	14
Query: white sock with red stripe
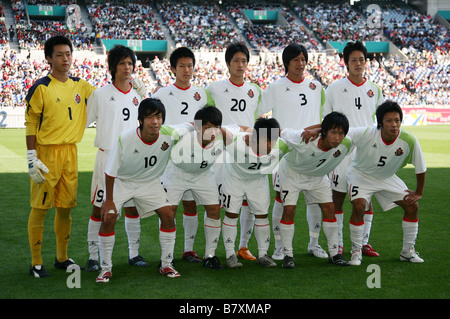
356	234
92	237
277	214
410	231
247	221
340	222
106	247
190	224
167	243
314	218
262	235
368	216
212	234
330	229
287	235
133	230
229	233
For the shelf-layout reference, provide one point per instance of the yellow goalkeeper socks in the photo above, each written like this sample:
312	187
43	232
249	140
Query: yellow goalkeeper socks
36	234
63	223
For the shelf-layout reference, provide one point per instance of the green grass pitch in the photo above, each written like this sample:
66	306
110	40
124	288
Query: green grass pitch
311	279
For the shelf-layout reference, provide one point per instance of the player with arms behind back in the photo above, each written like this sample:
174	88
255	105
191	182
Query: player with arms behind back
296	102
357	98
182	100
238	100
114	108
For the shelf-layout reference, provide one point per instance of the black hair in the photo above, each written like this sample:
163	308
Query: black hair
334	120
117	54
387	107
56	40
292	51
209	114
354	46
178	53
150	106
267	127
234	48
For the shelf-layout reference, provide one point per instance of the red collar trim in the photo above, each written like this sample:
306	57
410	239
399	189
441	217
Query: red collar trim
296	81
137	132
392	141
131	87
318	145
182	88
358	85
238	85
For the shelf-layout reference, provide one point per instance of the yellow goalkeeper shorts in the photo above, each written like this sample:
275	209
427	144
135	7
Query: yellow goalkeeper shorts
61	184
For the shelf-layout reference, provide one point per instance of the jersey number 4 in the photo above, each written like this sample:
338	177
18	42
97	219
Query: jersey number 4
358	102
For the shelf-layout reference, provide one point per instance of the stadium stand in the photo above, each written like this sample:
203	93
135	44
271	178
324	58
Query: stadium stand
118	20
197	26
416	73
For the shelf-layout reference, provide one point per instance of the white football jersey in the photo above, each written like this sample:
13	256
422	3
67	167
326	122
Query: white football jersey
294	104
191	157
242	162
133	159
309	159
358	102
375	157
238	103
182	104
114	111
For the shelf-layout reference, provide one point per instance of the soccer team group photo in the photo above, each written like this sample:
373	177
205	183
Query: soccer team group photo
230	124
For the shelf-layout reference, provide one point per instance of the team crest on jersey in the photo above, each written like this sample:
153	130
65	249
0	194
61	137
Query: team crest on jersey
250	93
197	96
370	93
337	153
164	146
77	98
399	152
135	101
312	86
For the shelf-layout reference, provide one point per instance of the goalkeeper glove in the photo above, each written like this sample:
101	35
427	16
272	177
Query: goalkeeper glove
35	166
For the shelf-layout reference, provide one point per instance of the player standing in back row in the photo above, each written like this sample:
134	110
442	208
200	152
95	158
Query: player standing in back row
238	101
357	98
55	119
296	102
182	100
114	108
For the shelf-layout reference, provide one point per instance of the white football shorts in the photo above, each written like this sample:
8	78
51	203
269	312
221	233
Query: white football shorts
187	196
147	197
203	187
338	177
98	189
387	191
255	191
315	189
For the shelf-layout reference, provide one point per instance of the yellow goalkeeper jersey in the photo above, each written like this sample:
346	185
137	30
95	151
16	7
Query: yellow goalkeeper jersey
56	111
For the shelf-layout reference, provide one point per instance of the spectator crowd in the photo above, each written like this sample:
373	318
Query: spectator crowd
421	79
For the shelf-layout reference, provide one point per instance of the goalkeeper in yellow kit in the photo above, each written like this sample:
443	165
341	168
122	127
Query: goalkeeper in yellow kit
55	121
